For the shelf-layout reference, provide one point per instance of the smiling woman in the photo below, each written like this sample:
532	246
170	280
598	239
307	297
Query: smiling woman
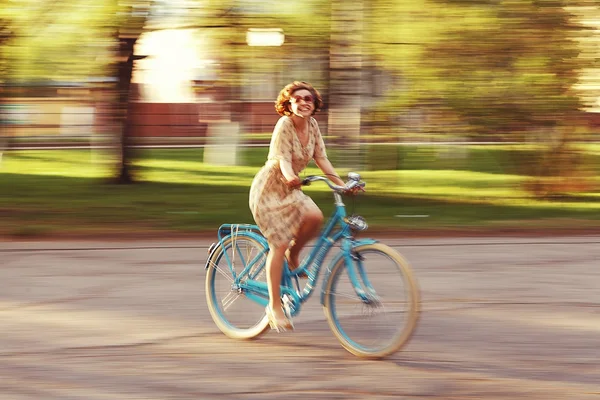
286	216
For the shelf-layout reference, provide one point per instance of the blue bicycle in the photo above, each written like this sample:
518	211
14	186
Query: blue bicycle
370	296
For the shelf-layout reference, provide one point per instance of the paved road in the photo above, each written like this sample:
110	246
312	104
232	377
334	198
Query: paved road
503	318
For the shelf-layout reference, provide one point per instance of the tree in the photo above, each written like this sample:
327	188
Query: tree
345	75
132	17
503	68
55	40
73	40
510	68
509	72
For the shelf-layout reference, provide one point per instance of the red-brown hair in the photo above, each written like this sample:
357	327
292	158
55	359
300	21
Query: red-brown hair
282	104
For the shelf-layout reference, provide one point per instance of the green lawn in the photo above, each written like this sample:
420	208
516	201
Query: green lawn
425	188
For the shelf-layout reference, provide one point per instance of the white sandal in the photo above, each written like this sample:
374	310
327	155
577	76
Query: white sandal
279	325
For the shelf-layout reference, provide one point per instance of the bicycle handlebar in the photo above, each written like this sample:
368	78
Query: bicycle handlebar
353	182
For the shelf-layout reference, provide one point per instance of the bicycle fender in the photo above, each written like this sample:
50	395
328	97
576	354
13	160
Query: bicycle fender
336	259
214	247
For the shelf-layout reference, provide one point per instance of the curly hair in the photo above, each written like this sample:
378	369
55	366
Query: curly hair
282	104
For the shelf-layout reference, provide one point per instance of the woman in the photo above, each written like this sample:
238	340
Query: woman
286	216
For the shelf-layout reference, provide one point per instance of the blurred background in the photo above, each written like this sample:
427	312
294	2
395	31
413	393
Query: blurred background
439	103
137	119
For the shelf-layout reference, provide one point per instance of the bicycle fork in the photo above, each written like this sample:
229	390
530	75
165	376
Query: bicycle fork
356	272
366	292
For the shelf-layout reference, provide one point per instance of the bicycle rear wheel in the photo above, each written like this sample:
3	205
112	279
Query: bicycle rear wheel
384	322
234	314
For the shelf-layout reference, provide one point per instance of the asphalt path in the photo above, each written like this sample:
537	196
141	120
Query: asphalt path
502	318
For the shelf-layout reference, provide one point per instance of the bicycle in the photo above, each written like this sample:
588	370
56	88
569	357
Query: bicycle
239	258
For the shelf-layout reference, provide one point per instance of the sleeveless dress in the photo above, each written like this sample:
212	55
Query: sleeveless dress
278	210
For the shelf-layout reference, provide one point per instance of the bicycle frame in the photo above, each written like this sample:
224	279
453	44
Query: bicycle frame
258	291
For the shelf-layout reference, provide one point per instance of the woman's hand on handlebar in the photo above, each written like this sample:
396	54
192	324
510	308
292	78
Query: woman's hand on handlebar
353	191
293	183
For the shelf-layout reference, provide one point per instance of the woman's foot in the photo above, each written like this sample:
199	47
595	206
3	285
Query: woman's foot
278	321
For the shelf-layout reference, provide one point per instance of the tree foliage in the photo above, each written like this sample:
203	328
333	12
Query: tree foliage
500	67
57	40
497	67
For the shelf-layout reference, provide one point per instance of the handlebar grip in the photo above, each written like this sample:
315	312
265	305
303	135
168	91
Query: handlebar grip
306	181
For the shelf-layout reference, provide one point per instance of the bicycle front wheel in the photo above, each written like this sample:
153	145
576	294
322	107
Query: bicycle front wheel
234	314
380	323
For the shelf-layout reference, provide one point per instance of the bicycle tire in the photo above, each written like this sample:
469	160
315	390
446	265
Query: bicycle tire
334	318
234	329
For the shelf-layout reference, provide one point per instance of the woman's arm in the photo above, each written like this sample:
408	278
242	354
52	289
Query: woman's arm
320	157
327	168
281	150
292	180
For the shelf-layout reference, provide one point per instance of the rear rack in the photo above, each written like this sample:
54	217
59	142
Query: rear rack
233	229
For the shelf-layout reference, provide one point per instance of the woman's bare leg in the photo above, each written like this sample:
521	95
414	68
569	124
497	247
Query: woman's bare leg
274	272
311	224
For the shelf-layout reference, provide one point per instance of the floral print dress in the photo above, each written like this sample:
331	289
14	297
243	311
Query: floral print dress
277	209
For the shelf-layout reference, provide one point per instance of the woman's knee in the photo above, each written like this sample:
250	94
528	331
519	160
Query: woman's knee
315	217
277	249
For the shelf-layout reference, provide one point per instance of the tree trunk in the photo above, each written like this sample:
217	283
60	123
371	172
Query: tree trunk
345	74
125	71
5	36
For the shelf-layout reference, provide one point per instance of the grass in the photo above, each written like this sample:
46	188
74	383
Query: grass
54	192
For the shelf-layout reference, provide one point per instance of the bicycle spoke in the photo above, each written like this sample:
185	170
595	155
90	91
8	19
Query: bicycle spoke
248	252
227	302
352	296
223	273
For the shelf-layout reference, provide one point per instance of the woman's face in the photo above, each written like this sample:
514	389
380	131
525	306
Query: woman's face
302	103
